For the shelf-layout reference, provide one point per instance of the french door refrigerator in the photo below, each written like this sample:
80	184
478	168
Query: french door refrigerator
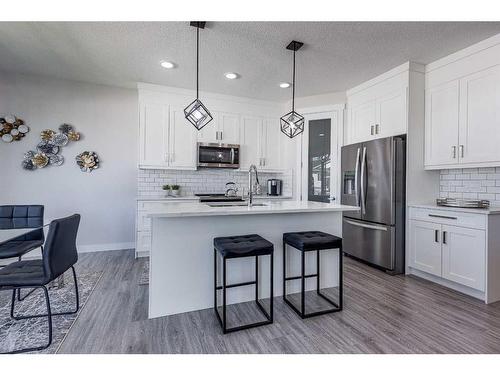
373	178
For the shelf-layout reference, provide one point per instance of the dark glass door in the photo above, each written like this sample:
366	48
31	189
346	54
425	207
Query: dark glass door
319	160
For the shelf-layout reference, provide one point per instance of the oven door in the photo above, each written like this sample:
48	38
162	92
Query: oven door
214	155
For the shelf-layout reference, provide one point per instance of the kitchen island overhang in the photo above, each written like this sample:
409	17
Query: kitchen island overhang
182	256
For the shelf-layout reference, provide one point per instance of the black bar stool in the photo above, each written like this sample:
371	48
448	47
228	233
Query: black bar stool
251	245
312	241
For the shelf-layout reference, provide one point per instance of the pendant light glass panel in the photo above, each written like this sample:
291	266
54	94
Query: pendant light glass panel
292	124
197	114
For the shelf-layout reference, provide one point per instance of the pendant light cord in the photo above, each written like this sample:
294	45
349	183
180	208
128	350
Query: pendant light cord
197	57
293	81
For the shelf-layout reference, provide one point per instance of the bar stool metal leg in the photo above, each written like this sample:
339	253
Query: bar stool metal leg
224	327
303	284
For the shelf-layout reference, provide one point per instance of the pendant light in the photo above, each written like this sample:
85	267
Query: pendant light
292	123
196	112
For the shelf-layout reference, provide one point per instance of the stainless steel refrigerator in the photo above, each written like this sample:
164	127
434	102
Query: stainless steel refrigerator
374	178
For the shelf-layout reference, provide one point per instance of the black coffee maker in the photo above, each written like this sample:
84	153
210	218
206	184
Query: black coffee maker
274	186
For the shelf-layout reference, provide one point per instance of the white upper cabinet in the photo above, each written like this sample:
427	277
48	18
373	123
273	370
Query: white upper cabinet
153	129
441	124
250	147
182	141
378	108
462	112
479	134
272	145
224	128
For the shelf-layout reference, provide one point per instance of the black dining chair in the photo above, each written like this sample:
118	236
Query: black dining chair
22	216
59	255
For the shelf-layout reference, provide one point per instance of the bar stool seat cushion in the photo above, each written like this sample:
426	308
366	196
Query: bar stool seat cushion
312	240
243	246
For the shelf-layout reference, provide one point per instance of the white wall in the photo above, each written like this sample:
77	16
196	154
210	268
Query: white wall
107	118
320	100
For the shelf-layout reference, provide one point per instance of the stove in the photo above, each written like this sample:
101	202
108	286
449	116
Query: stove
218	198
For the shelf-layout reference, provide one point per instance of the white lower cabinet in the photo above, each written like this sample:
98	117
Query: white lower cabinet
463	257
455	255
425	247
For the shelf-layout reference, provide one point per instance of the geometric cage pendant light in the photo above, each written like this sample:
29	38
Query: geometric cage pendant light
292	123
196	112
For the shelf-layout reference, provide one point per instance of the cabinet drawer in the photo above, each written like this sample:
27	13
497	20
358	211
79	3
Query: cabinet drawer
461	219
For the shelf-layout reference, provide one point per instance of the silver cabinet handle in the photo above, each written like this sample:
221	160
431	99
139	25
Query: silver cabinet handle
454	149
436	235
444	237
376	128
371	130
461	151
443	217
221	135
356	168
363	164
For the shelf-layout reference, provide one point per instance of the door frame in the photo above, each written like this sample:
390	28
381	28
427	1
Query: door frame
311	113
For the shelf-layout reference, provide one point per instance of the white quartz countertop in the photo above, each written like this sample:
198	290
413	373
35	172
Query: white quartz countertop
195	198
172	209
493	210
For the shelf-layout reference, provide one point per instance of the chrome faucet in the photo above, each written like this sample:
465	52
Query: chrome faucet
252	168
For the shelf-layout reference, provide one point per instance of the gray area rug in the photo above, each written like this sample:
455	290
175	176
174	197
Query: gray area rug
17	334
144	278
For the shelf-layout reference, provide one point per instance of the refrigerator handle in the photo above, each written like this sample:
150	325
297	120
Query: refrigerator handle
363	167
356	168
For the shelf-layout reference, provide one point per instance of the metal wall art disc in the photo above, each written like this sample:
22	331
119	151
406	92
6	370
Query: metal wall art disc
60	139
87	161
12	128
28	164
40	160
47	147
65	128
56	160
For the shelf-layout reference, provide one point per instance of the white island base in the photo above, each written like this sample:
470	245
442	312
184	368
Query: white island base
182	254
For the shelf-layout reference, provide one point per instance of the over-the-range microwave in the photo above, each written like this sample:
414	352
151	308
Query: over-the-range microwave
218	155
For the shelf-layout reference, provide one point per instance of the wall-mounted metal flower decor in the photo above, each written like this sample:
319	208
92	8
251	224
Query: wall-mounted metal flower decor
12	128
47	150
87	161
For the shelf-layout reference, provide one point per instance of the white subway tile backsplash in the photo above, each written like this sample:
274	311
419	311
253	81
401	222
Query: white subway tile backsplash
471	183
150	181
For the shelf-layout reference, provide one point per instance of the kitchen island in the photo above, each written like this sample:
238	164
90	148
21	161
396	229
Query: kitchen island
182	255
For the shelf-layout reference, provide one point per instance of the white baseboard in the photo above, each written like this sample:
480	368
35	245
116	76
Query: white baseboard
142	254
105	247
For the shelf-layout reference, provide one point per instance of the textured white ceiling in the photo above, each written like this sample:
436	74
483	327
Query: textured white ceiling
335	57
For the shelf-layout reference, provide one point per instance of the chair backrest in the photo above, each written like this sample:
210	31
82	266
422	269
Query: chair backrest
23	216
60	252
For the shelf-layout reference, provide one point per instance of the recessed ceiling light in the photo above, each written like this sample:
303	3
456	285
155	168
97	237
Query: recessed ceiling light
231	75
167	64
284	85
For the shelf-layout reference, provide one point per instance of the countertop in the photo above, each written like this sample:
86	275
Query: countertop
493	210
170	209
195	198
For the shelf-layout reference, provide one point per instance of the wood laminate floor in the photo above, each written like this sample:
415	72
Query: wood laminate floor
382	314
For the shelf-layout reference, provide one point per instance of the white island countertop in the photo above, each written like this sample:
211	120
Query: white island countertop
197	209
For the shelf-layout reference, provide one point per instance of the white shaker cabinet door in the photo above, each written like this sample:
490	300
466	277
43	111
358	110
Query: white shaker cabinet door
153	135
480	117
464	256
229	128
182	141
250	147
363	119
441	125
272	140
392	114
425	246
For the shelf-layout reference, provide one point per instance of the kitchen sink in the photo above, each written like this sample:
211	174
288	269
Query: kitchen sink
235	204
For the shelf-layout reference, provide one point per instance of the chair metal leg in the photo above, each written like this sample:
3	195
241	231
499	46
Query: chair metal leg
284	270
303	284
224	326
49	321
271	296
77	297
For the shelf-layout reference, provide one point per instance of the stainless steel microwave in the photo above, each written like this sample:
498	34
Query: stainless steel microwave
218	155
